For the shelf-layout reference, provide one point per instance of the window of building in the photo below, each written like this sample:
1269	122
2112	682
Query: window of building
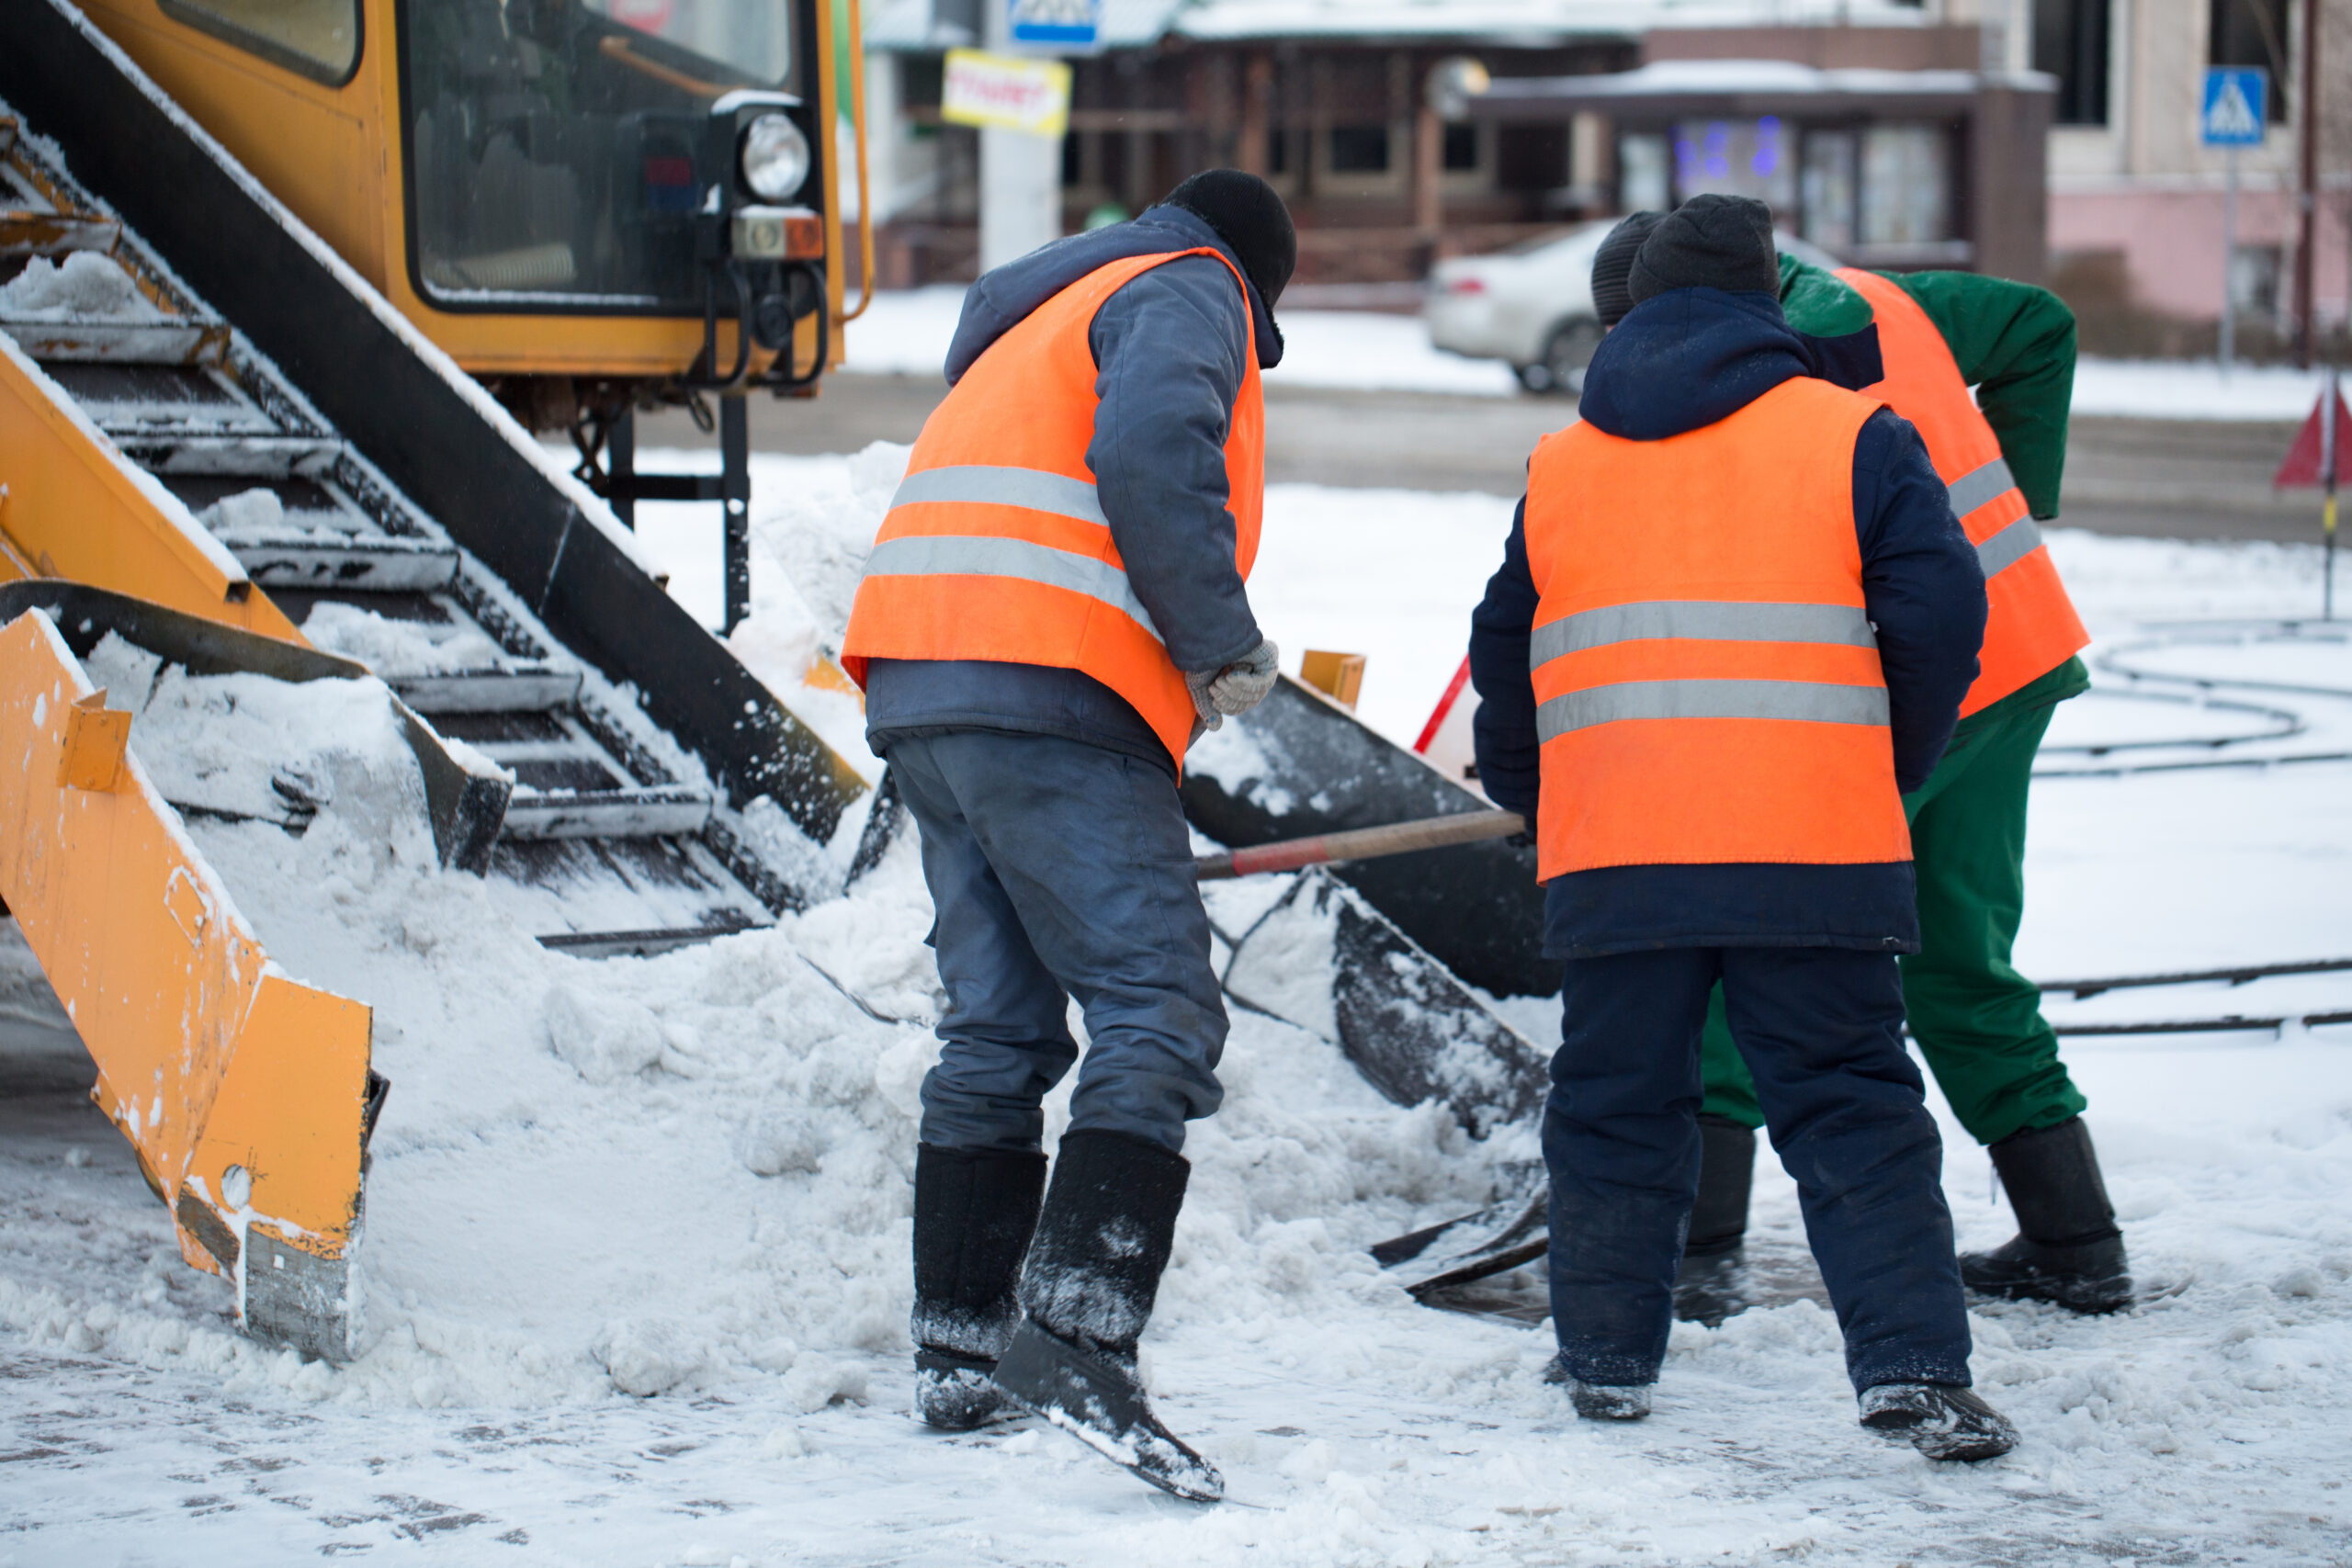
1737	157
1359	149
1531	157
1907	185
2070	39
2253	32
318	38
1645	172
1829	188
921	79
1460	147
1278	152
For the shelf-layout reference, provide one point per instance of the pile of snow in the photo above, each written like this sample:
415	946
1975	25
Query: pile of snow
907	333
259	517
253	747
400	647
85	286
692	1171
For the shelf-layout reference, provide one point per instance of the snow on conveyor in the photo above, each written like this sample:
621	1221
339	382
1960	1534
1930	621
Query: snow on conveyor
684	1179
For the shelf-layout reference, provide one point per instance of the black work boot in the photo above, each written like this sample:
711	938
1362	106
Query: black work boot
2067	1249
1093	1272
1941	1420
1711	1283
974	1214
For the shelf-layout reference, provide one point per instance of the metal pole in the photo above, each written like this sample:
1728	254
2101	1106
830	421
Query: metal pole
620	468
2307	196
2327	461
735	495
2229	260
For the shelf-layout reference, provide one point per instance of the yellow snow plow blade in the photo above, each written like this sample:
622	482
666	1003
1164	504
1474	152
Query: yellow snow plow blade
244	1093
72	507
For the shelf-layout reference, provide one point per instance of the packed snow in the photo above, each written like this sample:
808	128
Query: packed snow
636	1230
83	286
907	332
399	647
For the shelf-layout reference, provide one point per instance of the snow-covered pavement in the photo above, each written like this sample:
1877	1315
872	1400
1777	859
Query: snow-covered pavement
906	334
689	1174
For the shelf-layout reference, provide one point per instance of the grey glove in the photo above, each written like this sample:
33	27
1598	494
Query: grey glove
1202	704
1243	684
1237	688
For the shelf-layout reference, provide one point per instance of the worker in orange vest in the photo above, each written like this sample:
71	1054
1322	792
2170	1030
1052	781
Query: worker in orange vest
1052	612
1734	623
1978	1022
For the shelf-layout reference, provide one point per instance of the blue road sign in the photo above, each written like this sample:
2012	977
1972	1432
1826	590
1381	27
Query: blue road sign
2232	114
1059	24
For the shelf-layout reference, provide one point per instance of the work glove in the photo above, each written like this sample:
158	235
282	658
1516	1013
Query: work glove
1237	687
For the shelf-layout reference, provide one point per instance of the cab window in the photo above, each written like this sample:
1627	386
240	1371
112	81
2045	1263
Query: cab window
319	38
558	148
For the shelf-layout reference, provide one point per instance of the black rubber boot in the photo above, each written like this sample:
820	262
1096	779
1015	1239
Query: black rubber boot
1711	1283
2067	1249
1600	1402
1941	1420
1092	1275
974	1214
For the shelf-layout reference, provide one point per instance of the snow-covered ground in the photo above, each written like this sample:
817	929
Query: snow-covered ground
907	333
686	1177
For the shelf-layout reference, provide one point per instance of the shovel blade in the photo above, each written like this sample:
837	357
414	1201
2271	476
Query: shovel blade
1323	958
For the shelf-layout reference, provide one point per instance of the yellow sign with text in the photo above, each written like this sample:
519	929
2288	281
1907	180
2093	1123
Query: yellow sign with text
1007	91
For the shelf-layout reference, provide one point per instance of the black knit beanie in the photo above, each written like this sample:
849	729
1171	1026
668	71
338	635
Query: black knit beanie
1251	218
1614	261
1709	241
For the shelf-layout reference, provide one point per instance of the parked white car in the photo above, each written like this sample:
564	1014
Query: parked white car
1532	305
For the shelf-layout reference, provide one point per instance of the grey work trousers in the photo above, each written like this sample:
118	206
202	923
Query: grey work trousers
1058	870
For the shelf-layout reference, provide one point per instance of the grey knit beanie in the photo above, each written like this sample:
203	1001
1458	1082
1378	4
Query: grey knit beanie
1709	241
1614	261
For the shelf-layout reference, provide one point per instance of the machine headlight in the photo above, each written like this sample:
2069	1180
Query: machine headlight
775	157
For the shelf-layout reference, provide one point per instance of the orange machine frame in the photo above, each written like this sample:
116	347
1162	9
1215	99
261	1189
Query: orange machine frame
333	154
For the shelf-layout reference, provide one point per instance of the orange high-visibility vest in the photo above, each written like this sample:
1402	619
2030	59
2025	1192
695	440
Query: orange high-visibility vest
2031	626
995	547
1707	684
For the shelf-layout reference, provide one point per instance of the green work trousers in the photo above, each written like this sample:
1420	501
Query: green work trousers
1978	1022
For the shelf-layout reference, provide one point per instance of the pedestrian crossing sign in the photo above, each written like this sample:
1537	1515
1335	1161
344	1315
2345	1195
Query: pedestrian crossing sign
2234	102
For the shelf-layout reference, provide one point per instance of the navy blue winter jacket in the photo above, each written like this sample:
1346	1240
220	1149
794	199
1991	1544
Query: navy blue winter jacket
1169	352
1678	362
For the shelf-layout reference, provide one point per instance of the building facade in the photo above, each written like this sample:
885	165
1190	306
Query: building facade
2051	140
2136	203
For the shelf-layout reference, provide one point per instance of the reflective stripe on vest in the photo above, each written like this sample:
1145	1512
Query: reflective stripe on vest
1977	486
1704	620
1033	489
1706	676
1801	702
965	555
1699	620
996	547
2031	627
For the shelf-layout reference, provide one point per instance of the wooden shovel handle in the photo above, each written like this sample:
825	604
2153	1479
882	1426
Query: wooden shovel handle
1362	844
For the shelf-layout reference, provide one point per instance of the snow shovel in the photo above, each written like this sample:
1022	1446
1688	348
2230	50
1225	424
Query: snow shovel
1324	959
1362	844
1411	1028
1298	764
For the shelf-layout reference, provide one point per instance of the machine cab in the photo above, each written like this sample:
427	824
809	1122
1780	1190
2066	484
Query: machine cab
550	188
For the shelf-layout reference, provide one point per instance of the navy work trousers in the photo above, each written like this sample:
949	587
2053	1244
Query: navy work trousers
1821	1030
1058	870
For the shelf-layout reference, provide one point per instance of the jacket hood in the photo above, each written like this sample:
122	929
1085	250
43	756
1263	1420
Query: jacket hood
1004	298
1683	359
